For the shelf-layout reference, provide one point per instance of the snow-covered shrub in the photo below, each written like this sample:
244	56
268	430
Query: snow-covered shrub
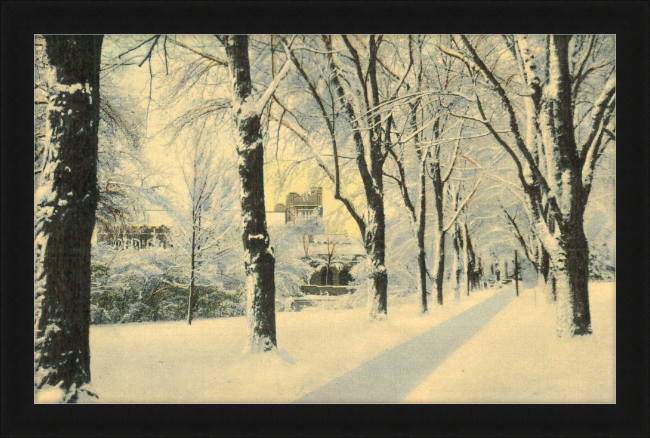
138	312
231	308
210	301
170	312
115	314
176	274
130	281
601	265
98	315
149	285
292	266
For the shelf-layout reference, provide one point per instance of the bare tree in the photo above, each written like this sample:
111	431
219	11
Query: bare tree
417	216
556	184
359	96
202	233
258	258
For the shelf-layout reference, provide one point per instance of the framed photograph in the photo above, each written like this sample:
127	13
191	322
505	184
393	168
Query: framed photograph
256	225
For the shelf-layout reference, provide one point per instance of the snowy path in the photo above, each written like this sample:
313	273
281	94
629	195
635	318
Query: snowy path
391	377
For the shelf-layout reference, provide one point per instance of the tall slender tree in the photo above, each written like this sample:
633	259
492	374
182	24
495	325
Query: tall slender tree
372	174
417	216
370	151
65	203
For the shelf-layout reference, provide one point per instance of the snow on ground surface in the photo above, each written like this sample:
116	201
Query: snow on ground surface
171	362
516	358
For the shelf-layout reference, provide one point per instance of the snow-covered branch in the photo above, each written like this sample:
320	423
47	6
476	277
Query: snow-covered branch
602	109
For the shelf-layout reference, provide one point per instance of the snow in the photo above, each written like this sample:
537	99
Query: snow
50	394
516	358
171	362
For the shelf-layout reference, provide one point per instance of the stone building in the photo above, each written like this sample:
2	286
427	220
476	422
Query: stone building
298	206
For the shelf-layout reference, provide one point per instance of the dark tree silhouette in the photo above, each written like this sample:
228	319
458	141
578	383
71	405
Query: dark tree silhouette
66	200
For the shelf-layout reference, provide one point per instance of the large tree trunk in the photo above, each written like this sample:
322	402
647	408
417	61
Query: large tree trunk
570	270
568	251
422	263
439	249
375	229
258	259
422	219
440	265
376	249
65	200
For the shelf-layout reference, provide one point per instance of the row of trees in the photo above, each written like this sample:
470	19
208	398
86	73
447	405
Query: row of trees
472	117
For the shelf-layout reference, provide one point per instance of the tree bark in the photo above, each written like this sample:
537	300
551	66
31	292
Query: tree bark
192	299
564	187
258	258
375	243
422	258
66	200
457	266
374	230
544	283
569	253
421	221
469	260
516	274
440	265
466	268
439	250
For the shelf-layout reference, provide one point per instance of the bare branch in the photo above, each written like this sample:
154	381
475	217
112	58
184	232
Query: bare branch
264	99
360	75
138	46
157	37
462	206
408	69
198	52
453	163
601	105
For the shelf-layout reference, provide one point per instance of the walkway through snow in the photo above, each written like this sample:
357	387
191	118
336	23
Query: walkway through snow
389	378
171	362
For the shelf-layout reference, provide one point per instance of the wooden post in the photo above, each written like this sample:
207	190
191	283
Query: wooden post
516	273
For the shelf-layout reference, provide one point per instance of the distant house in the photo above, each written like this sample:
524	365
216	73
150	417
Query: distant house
134	236
138	234
331	256
297	207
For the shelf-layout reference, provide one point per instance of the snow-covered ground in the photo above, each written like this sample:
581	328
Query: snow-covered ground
516	358
171	362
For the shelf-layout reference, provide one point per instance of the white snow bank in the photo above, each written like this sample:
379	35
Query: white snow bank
49	394
517	358
171	362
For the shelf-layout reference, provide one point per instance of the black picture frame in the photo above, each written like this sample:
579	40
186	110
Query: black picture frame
628	417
